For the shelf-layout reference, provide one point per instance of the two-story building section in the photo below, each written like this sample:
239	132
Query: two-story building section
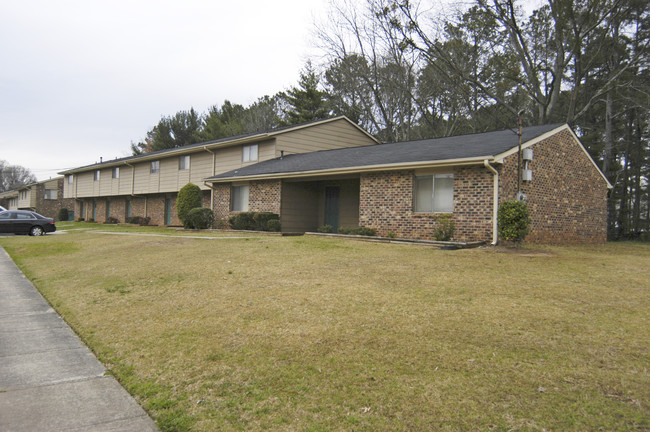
147	185
44	197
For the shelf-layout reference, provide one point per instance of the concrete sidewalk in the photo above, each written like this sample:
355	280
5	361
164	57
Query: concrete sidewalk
49	380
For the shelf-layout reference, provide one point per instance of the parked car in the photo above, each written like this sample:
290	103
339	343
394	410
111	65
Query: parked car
25	222
2	209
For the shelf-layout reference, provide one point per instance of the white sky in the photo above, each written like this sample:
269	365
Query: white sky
81	79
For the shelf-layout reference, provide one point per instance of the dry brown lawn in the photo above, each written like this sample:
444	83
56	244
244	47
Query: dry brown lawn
320	334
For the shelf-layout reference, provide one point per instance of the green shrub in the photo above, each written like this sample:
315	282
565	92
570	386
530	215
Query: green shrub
199	218
391	235
262	220
255	221
138	220
91	219
513	220
445	229
274	225
80	219
189	197
112	220
62	215
325	229
242	221
364	231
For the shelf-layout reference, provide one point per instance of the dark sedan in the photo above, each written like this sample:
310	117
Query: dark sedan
25	222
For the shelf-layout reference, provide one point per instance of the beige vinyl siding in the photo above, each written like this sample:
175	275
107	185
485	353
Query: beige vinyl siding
68	189
84	184
266	151
126	180
141	178
200	168
230	158
168	175
24	198
105	182
333	135
53	184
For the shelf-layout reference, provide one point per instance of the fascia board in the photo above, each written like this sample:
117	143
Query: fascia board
358	169
500	157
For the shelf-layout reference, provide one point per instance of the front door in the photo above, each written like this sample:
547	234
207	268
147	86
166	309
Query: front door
332	207
81	209
168	211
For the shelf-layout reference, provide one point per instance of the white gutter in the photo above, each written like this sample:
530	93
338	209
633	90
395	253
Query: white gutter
214	162
495	204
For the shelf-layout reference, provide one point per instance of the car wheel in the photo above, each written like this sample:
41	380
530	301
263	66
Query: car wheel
36	231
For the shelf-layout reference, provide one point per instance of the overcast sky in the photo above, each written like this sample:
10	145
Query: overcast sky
81	79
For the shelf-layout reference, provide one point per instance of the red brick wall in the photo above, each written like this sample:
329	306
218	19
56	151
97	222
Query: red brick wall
264	196
567	198
154	204
221	208
50	208
386	204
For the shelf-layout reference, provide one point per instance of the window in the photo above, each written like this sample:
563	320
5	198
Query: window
250	153
184	162
239	198
50	194
116	172
96	178
155	167
70	179
434	193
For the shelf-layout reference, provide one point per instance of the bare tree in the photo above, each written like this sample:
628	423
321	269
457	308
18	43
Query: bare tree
14	176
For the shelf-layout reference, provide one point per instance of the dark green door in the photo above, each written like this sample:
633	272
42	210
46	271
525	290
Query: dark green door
332	207
168	211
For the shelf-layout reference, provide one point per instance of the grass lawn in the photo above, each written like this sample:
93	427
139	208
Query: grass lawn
321	334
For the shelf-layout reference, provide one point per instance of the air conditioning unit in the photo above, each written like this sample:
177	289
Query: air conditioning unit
527	154
527	175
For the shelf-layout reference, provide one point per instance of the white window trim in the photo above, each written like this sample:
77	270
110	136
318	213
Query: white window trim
184	163
97	175
248	151
153	170
245	203
115	173
433	186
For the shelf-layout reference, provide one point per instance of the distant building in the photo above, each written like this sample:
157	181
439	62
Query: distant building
44	197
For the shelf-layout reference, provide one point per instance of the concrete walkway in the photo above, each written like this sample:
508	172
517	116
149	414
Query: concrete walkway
49	380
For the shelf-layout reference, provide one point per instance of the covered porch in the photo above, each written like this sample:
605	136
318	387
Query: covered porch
307	205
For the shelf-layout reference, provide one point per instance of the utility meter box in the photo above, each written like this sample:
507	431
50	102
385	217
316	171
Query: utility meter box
527	154
527	175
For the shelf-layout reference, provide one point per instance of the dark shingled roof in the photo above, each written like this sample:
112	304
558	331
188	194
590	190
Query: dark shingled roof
437	149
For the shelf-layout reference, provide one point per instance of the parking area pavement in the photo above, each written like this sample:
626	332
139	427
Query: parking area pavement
49	380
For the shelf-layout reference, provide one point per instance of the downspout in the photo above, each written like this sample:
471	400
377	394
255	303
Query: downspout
132	178
214	161
495	204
